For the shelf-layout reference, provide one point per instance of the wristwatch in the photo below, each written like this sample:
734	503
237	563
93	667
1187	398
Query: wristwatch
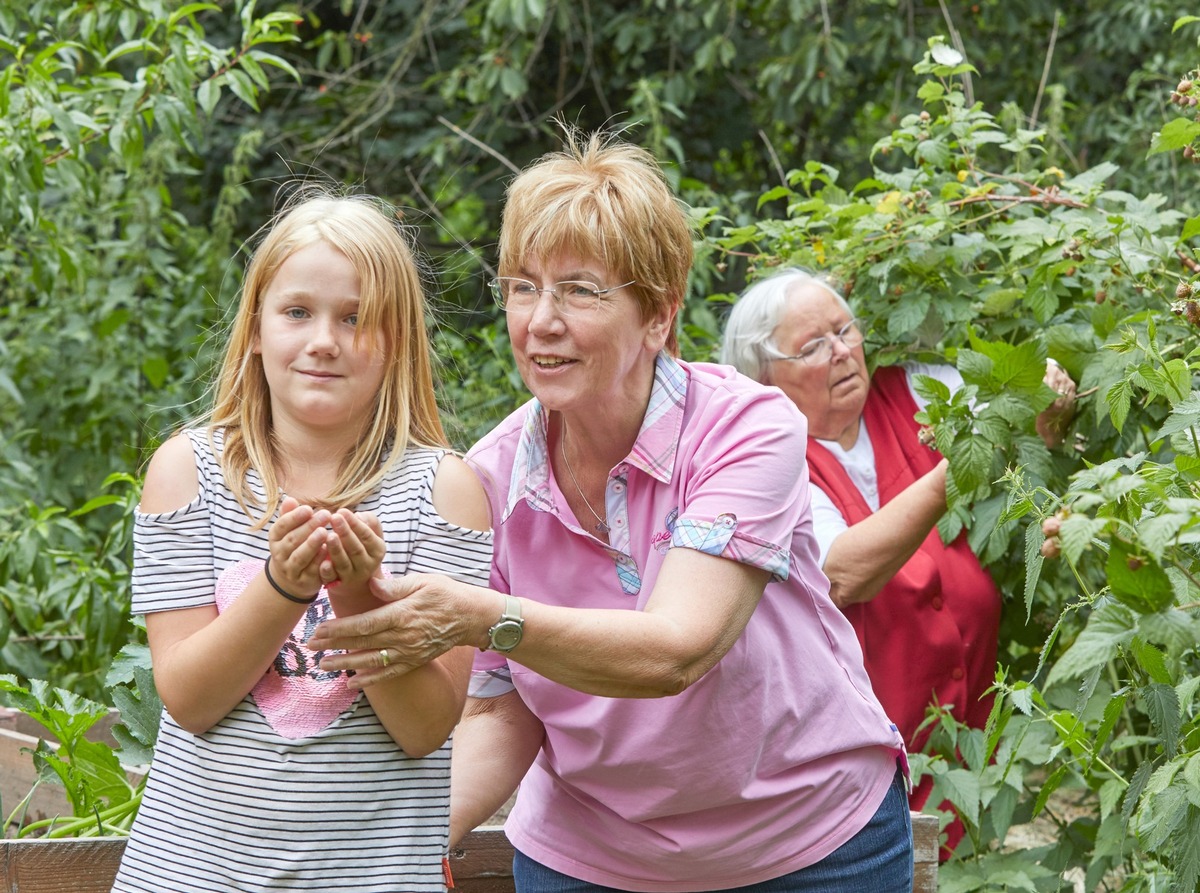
505	634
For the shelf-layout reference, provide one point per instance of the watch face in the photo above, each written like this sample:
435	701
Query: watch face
506	635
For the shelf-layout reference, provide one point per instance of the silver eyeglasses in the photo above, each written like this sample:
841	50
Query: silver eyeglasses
819	350
513	293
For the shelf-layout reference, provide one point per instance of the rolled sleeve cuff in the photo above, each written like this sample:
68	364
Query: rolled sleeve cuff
719	537
490	683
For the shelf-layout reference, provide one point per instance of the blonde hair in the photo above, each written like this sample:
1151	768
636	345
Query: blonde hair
392	310
605	200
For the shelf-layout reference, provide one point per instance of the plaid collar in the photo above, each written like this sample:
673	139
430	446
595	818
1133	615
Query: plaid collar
653	451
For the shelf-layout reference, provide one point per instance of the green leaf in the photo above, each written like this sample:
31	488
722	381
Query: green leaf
907	315
1091	178
1191	771
1112	712
961	788
1185	844
1190	229
1160	817
973	747
1033	563
1137	784
243	88
191	9
971	464
1110	628
773	194
1022	697
208	95
97	502
155	369
1152	660
1174	135
931	388
1000	301
1184	414
141	712
1138	581
1023	367
1078	533
1049	786
1000	810
96	767
512	83
1162	706
1119	398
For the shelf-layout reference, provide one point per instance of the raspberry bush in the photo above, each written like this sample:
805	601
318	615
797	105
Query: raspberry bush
963	248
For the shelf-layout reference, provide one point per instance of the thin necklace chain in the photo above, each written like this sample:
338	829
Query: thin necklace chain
601	524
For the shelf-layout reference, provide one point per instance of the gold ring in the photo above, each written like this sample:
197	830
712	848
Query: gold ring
383	657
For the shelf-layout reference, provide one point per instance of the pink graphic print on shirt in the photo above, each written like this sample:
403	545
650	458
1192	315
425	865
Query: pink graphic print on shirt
295	695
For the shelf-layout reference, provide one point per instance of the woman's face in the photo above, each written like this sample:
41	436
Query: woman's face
830	394
594	362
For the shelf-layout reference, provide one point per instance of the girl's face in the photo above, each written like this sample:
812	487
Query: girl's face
318	377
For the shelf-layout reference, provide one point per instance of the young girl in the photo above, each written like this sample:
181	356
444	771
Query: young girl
323	465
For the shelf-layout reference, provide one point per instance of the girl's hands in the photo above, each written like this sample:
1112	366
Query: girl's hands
354	548
311	548
298	546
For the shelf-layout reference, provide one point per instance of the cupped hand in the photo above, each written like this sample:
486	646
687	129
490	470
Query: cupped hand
297	542
354	548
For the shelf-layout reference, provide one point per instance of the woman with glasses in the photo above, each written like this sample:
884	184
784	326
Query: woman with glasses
662	670
926	613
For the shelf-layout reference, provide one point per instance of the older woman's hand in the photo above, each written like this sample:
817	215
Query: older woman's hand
425	616
1052	421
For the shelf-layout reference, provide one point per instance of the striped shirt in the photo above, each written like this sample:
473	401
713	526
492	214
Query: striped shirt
299	787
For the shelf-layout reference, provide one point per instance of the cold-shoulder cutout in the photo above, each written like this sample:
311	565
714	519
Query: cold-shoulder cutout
458	495
172	481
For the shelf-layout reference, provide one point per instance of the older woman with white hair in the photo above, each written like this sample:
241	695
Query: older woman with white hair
926	613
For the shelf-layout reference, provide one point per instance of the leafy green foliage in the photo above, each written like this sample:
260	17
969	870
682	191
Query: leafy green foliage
961	248
1026	204
65	598
108	291
92	773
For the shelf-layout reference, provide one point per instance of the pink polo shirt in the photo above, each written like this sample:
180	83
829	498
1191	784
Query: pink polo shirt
780	753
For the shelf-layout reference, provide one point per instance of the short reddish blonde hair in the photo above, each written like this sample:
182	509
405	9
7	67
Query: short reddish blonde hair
606	200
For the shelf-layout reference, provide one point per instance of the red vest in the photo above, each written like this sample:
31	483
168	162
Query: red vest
930	635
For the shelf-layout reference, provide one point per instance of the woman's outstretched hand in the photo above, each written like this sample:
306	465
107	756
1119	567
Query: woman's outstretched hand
425	615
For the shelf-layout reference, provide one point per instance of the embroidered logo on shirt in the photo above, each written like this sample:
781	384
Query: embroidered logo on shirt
296	697
661	541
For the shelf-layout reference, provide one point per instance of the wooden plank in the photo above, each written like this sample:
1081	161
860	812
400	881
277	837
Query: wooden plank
925	852
482	863
76	865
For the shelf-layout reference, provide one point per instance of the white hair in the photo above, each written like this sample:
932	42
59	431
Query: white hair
749	344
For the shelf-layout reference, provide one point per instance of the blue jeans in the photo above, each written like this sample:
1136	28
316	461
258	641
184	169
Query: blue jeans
878	859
